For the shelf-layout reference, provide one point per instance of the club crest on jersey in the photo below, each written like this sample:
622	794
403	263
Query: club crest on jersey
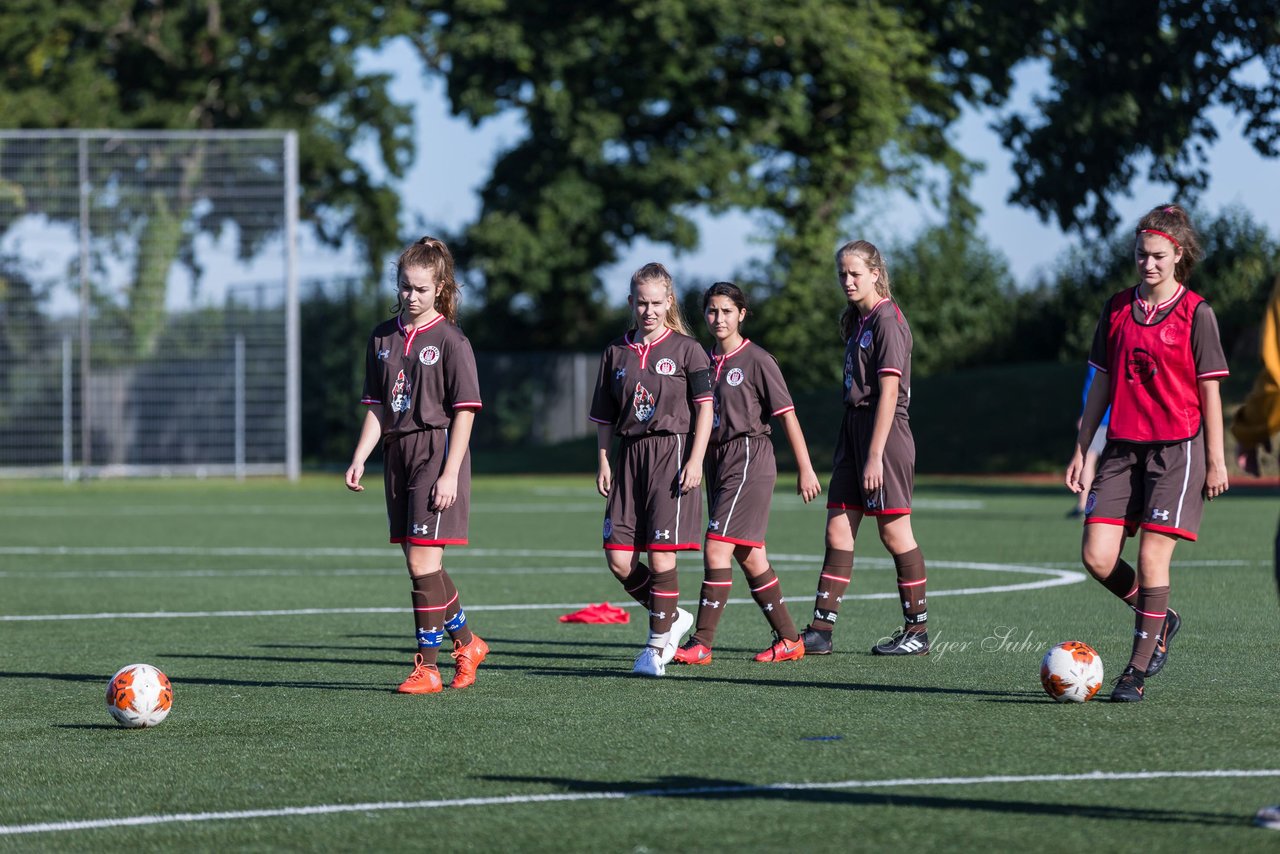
400	394
865	341
1140	367
608	527
735	377
643	402
666	367
429	355
1170	333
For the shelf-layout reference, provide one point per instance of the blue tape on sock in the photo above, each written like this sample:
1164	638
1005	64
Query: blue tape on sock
459	620
428	639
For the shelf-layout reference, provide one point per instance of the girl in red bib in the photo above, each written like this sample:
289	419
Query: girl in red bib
1159	361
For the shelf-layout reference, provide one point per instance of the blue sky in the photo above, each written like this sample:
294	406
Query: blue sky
454	159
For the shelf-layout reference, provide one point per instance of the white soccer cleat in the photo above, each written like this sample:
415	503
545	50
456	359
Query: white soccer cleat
684	622
649	663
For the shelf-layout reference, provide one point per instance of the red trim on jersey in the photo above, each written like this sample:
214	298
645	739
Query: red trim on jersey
642	349
468	404
719	361
783	411
618	547
678	547
410	334
894	371
368	401
414	541
863	321
706	399
1165	529
736	542
599	420
1211	374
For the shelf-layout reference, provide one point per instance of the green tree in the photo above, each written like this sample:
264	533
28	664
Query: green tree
218	64
639	111
1133	83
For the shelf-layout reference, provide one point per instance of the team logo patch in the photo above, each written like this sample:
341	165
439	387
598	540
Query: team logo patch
735	377
429	355
620	374
383	355
666	367
643	402
865	341
608	527
713	525
1090	503
401	401
1158	515
1170	333
1140	367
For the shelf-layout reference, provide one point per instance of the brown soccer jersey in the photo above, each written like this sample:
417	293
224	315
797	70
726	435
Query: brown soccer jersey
880	345
749	390
646	389
420	376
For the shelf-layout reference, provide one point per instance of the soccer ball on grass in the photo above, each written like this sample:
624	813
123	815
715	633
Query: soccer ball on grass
1071	672
139	695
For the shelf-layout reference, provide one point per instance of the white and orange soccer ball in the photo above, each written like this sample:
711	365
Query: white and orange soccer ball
139	695
1071	672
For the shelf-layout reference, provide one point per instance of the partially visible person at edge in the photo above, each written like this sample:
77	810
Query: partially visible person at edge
1159	361
1095	447
1255	422
421	394
741	472
873	473
653	391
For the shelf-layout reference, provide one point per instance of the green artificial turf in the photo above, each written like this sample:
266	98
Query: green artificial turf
564	749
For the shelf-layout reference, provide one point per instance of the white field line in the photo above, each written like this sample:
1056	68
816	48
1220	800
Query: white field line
621	795
1058	578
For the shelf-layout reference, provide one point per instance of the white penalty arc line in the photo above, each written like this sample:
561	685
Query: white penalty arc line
1059	578
618	795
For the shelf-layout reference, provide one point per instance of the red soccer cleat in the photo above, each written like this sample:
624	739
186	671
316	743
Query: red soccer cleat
783	650
425	679
468	658
693	653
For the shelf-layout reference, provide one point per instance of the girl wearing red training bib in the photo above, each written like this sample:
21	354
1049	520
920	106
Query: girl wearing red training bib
1159	361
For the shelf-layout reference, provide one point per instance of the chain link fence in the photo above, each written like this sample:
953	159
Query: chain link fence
148	304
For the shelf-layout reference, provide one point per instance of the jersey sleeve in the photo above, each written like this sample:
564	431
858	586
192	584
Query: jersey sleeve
1206	344
604	406
462	380
775	397
701	376
372	395
892	349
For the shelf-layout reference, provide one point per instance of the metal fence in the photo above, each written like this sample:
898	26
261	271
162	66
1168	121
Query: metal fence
129	341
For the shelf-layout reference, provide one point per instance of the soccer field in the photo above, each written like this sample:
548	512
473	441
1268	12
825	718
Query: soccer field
281	616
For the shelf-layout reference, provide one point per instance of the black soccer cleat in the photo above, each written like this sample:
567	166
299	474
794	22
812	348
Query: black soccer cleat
903	642
1172	622
1129	687
816	641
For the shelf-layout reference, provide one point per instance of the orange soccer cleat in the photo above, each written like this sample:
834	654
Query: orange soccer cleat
783	650
468	658
693	653
425	679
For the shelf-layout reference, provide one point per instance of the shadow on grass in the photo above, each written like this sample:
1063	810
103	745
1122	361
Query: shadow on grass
791	684
101	679
714	789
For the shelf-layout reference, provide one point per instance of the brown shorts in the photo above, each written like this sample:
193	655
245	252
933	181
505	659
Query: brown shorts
413	463
845	491
1153	487
740	478
645	510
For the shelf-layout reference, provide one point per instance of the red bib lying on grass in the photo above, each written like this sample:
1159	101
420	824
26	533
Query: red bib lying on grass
602	613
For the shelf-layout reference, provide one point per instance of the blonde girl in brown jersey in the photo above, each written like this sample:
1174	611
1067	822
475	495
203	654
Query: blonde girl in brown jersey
653	391
874	466
421	394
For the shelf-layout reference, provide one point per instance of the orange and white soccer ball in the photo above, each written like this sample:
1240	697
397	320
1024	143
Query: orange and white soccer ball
139	695
1071	672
